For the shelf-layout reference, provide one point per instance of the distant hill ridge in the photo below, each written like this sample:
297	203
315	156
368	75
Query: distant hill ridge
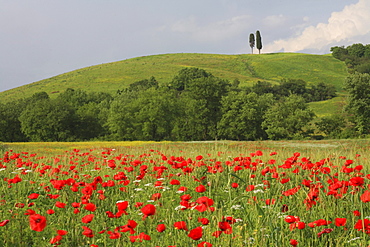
247	68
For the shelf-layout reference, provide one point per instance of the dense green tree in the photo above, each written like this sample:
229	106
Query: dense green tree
10	126
242	116
144	115
258	41
48	120
332	126
322	91
288	118
356	50
291	86
358	88
263	87
143	84
181	81
339	52
74	98
251	41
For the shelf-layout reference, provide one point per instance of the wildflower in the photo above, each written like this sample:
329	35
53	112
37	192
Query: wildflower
293	242
363	225
37	222
200	189
60	204
180	225
87	232
88	218
4	222
204	244
33	196
148	210
340	221
90	207
161	227
365	197
196	233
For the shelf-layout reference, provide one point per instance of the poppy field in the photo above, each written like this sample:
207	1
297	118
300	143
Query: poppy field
202	194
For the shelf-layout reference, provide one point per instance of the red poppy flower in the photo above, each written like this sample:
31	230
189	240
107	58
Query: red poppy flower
250	188
204	244
130	226
142	236
114	235
200	189
293	242
37	222
340	221
180	225
363	225
55	239
33	196
356	181
365	197
175	182
234	185
60	204
356	213
196	233
90	207
225	227
50	211
204	221
161	227
87	232
87	219
122	206
29	212
156	196
62	232
148	210
4	222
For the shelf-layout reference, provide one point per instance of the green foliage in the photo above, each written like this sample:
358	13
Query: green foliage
332	126
142	85
10	126
321	91
356	57
144	115
358	87
183	80
48	120
242	116
288	119
317	92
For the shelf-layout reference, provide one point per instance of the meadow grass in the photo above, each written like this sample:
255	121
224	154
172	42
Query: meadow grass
274	181
111	77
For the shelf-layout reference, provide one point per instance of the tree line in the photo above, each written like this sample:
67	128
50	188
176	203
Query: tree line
356	57
194	105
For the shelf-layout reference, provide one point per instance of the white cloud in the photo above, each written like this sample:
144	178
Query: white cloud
215	31
346	26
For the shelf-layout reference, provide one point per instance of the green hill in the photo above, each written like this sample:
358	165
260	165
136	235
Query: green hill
247	68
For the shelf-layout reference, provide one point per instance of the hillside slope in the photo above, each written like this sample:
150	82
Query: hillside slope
247	68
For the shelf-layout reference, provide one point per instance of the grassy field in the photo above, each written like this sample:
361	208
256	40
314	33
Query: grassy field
267	193
248	69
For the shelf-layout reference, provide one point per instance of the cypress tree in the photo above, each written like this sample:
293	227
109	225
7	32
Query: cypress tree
259	41
251	41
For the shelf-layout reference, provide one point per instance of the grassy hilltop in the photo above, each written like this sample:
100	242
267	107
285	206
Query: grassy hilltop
248	69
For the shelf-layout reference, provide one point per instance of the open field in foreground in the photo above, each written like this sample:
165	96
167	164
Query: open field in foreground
286	193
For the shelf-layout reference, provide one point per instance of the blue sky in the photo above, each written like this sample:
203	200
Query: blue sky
44	38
